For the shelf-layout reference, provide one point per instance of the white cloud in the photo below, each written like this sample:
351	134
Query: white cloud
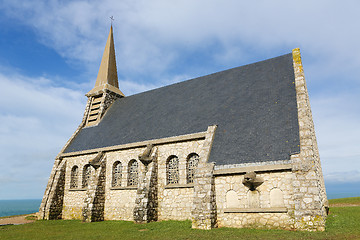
133	87
337	118
153	37
343	177
36	119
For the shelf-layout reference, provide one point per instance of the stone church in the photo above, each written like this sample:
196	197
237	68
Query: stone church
236	148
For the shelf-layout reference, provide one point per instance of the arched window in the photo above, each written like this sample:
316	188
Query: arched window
172	170
133	173
191	164
116	174
86	175
74	177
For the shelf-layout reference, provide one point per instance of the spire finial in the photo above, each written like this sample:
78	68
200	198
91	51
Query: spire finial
112	19
107	78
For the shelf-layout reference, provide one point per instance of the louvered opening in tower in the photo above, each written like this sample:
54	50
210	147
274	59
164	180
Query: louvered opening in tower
93	115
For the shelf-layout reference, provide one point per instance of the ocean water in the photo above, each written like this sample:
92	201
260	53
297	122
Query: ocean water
342	189
17	207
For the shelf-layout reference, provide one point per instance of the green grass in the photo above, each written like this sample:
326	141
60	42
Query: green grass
31	217
352	200
342	223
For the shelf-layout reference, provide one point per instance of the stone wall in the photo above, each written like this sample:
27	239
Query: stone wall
119	204
74	198
120	201
56	198
73	204
174	201
239	207
308	182
109	98
203	212
93	208
146	201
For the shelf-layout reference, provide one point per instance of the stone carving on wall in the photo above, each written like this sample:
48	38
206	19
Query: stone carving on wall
252	181
96	161
146	157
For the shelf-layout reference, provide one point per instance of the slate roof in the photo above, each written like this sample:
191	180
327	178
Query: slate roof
254	107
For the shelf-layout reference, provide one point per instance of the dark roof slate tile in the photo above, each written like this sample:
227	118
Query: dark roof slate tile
254	107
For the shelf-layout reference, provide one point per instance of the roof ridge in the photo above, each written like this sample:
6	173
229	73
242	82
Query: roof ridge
207	75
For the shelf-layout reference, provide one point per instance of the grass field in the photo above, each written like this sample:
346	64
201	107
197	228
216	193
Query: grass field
345	201
342	223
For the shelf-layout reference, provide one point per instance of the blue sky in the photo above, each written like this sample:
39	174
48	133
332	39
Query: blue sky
50	52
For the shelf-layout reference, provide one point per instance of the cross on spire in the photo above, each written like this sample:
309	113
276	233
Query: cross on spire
112	19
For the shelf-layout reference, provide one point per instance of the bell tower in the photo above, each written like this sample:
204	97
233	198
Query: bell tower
106	89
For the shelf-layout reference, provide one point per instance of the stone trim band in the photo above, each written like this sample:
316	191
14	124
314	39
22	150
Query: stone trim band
181	138
265	168
256	210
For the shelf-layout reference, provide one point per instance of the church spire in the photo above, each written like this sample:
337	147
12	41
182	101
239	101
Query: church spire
107	78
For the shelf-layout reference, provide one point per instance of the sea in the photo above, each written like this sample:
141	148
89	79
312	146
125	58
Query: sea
18	207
